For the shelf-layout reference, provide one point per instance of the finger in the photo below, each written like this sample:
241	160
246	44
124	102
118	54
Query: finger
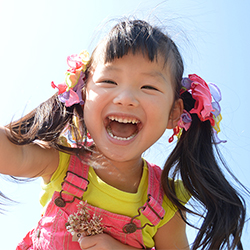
87	242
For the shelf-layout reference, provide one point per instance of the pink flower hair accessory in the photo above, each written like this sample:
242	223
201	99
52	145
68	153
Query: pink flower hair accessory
185	120
203	98
70	92
207	97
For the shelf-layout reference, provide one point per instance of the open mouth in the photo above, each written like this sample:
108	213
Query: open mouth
123	129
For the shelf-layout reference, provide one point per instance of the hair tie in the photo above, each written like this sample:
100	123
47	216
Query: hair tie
70	92
207	97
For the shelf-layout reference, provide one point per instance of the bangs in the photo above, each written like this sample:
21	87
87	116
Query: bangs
136	36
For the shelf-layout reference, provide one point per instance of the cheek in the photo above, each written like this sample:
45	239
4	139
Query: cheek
89	109
92	111
161	107
91	96
91	103
90	120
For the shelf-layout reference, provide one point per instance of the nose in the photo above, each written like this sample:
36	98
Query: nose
126	98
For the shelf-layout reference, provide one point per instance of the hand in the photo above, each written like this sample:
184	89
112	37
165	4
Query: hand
101	242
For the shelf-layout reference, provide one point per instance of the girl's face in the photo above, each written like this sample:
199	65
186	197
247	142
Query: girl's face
128	105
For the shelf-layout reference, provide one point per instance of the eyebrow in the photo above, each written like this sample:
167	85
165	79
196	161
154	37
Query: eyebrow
155	74
112	68
150	74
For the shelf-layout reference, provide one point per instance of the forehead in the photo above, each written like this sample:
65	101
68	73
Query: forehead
107	51
130	59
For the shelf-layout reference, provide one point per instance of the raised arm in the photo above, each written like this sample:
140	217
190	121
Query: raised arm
30	160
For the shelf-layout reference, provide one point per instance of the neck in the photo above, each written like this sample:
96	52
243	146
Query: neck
124	176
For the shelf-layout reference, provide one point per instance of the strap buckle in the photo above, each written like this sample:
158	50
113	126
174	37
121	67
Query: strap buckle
70	187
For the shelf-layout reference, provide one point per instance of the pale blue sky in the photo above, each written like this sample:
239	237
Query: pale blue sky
37	36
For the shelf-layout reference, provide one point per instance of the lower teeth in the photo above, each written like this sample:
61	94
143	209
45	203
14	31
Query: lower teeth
120	138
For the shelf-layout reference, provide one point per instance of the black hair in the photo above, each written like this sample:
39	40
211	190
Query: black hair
194	157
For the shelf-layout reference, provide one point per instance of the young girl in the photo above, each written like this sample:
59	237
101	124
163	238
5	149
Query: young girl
86	142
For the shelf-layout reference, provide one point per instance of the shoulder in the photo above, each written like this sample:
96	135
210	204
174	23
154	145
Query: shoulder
60	169
171	231
172	235
53	183
155	176
181	193
170	209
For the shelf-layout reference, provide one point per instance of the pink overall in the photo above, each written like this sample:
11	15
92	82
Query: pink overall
51	233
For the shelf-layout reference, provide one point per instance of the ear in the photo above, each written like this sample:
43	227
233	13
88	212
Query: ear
175	114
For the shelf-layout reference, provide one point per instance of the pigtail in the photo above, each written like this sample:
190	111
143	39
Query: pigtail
43	123
47	123
194	160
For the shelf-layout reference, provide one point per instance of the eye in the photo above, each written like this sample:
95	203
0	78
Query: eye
149	87
106	83
109	81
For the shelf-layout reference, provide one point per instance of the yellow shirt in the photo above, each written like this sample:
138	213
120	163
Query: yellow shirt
104	196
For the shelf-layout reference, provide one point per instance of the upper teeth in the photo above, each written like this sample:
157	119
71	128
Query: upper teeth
124	120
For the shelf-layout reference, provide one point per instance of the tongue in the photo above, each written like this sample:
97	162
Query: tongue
122	129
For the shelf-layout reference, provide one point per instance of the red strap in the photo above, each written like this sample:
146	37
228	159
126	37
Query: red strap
78	167
154	182
76	179
153	210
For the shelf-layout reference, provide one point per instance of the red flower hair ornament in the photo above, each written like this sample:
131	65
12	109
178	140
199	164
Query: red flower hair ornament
207	107
70	91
